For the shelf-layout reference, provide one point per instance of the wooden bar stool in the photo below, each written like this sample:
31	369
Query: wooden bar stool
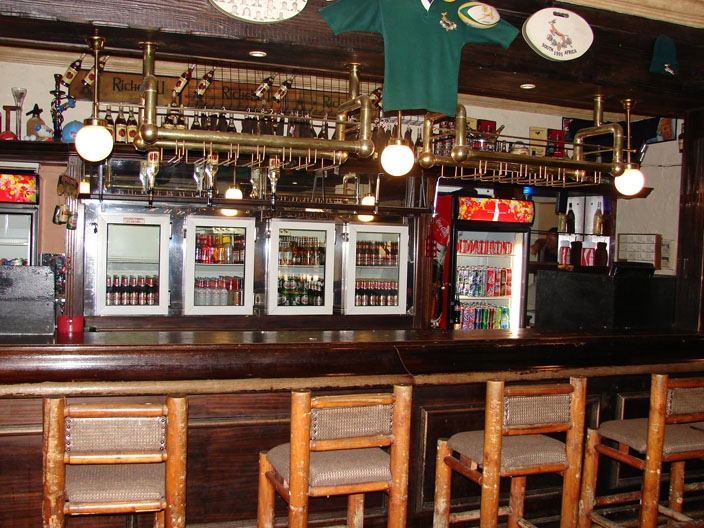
515	444
672	434
338	448
115	458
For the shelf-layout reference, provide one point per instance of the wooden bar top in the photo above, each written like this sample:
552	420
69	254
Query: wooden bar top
266	360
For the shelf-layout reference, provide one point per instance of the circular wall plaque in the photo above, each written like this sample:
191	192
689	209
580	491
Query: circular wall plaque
558	34
260	11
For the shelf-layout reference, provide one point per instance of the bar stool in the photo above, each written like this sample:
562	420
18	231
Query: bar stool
115	458
672	433
337	448
515	444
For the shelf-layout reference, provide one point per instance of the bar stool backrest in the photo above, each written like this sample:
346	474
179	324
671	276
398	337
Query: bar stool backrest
349	422
685	400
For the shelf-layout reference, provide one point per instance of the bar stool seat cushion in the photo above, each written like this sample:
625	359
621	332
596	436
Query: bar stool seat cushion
634	433
114	482
338	467
516	451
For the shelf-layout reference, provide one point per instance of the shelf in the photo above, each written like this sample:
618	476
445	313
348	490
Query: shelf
482	255
494	297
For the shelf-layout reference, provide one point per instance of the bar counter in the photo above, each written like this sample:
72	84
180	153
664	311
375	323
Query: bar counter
238	385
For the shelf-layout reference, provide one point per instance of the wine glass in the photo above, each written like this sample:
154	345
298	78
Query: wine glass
19	94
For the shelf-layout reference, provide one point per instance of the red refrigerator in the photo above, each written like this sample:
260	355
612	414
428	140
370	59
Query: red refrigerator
481	247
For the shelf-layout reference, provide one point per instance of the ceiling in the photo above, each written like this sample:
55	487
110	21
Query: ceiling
616	66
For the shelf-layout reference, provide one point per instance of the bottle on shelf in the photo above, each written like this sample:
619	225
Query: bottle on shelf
109	122
68	77
282	90
562	223
570	220
680	139
89	79
120	127
132	126
598	221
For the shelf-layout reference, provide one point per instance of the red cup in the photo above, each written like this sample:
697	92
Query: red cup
66	324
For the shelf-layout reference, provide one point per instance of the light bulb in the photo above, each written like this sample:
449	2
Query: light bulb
367	199
94	142
397	159
233	193
630	182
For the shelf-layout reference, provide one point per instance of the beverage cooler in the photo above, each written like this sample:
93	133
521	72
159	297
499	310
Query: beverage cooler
301	266
18	217
484	268
375	267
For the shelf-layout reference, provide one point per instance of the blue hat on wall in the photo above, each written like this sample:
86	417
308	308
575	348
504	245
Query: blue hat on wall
664	57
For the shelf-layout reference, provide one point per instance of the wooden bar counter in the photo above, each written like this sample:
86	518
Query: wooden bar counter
238	384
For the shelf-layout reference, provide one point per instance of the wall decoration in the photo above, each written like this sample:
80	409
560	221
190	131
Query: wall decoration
260	11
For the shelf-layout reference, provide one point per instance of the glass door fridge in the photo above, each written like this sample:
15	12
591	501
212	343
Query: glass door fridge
132	263
485	261
219	266
300	267
375	267
18	241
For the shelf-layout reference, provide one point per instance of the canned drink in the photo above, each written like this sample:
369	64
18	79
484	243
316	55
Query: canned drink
72	220
490	282
57	214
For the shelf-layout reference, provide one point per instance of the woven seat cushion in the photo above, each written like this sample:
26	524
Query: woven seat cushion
516	451
634	433
114	482
332	468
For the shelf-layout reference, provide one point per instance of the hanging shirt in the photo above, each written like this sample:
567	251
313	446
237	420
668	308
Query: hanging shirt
423	44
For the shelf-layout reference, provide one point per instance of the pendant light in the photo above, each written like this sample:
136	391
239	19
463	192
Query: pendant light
632	180
397	158
94	141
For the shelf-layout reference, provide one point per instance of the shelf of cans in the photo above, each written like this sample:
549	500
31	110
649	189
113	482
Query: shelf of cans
132	290
483	281
482	316
222	291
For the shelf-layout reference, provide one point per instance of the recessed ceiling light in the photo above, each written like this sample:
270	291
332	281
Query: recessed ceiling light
527	86
257	53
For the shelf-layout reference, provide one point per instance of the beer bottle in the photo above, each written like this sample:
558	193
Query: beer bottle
205	82
89	79
263	87
283	90
68	77
120	127
124	290
375	97
598	221
570	219
132	126
108	290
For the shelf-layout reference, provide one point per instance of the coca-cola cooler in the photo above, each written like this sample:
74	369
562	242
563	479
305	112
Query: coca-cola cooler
482	244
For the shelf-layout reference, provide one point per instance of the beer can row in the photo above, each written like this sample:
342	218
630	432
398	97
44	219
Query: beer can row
485	247
483	281
484	316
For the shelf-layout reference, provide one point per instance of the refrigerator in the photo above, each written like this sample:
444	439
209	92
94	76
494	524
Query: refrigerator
300	267
18	217
375	269
484	253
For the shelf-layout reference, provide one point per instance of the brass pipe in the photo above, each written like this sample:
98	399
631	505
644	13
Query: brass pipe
152	136
616	166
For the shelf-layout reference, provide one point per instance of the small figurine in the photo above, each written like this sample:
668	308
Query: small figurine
36	127
58	106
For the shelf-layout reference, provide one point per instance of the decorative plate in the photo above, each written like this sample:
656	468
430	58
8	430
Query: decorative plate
260	11
558	34
478	15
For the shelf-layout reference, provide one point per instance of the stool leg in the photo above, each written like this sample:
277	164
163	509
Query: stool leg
648	517
516	500
355	510
265	499
589	472
676	486
443	478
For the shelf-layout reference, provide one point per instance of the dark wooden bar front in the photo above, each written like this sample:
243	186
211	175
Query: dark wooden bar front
238	385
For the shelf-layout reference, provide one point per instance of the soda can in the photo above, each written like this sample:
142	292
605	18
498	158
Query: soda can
72	220
490	282
465	317
471	317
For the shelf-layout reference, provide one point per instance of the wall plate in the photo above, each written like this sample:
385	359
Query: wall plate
260	11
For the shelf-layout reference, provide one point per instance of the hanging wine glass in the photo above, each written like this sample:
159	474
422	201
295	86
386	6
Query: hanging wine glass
199	175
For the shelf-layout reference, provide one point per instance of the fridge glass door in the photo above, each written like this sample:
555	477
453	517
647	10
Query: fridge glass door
488	280
376	266
133	264
219	266
300	267
16	238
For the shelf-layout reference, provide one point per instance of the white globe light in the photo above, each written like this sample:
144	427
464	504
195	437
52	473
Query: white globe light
630	182
397	159
233	193
94	142
368	199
